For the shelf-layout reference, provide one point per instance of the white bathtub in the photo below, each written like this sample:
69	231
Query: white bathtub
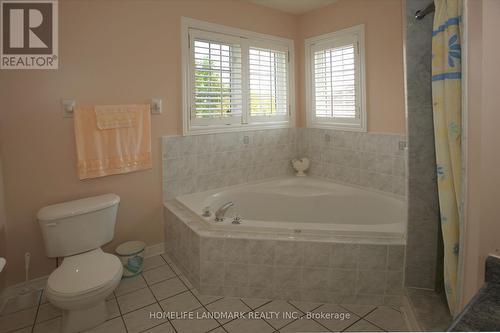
304	205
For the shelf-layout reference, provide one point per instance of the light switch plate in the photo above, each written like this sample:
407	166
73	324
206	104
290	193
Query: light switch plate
156	106
68	107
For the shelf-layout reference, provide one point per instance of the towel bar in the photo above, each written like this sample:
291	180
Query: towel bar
68	106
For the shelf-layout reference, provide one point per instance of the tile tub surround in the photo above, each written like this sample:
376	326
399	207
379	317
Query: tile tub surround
203	162
372	160
424	251
271	265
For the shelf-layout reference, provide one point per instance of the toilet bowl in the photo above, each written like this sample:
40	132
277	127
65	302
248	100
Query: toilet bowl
80	286
76	231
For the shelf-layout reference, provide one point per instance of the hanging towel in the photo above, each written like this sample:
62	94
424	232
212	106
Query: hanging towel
108	144
117	116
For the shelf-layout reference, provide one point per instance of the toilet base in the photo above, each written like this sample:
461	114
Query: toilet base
79	320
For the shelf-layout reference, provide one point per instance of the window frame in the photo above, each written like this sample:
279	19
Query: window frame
329	40
247	39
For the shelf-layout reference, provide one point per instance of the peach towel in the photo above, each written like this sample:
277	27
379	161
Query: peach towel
123	145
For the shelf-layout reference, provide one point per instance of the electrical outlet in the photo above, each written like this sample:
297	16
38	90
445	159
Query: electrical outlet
402	145
246	139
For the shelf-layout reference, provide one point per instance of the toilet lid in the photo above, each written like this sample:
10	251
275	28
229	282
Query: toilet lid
84	272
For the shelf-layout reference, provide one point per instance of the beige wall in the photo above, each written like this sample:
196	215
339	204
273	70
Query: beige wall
483	163
129	52
384	55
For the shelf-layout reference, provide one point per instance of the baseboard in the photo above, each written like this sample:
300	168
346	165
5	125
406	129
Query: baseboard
154	250
410	317
40	282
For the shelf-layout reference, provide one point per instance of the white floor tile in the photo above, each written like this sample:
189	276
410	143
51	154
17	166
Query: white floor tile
197	324
46	312
227	305
305	306
17	320
168	288
135	300
303	325
22	302
282	308
179	303
22	330
113	310
388	319
360	310
217	330
339	318
205	299
153	262
158	274
163	328
248	326
363	326
49	326
254	303
130	284
111	326
140	320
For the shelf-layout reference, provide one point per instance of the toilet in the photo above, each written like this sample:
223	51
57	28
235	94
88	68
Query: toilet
75	231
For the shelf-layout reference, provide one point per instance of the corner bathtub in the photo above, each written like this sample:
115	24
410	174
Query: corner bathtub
304	205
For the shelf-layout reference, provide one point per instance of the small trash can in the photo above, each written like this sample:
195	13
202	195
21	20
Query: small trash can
132	256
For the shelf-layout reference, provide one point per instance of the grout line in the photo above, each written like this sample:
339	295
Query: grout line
157	302
121	314
364	318
37	310
229	321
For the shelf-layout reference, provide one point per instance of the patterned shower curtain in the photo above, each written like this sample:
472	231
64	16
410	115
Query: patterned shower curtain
447	100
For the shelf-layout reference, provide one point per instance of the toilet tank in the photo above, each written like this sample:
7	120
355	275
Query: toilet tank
78	226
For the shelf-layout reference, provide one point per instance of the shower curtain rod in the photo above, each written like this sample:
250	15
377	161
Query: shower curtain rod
420	14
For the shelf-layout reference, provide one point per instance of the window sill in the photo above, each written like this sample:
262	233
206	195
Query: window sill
199	130
340	127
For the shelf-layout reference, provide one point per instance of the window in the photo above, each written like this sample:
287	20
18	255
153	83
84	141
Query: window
234	79
335	93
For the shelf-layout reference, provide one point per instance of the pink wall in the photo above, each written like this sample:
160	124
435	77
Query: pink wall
127	52
111	52
483	163
384	55
3	217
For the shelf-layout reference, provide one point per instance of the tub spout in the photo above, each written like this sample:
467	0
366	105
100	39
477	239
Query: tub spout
219	214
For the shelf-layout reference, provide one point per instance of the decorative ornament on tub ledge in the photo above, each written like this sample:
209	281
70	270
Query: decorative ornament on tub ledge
300	165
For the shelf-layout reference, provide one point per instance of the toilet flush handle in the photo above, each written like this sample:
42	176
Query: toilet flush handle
51	224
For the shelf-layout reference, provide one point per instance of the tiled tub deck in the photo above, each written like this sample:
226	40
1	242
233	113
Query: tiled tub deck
283	266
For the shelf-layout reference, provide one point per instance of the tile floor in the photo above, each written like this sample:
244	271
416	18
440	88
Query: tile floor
162	288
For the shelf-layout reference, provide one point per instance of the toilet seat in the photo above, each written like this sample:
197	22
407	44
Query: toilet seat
84	274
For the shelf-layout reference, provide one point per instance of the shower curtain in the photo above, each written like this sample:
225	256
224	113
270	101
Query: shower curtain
447	99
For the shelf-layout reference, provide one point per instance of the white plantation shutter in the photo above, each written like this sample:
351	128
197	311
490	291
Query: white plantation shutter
217	78
335	75
268	71
335	82
234	79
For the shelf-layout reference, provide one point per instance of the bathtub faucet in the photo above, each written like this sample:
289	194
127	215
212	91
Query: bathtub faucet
219	214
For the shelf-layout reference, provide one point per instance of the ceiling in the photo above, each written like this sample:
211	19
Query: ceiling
293	6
